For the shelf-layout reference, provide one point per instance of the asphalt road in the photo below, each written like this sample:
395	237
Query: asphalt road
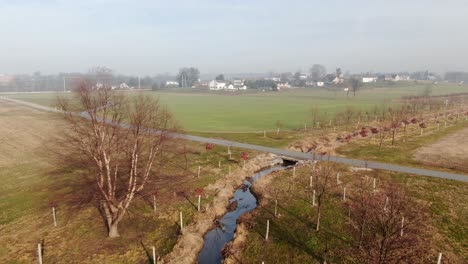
293	154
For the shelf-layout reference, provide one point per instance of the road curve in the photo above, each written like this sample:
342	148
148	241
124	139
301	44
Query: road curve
292	154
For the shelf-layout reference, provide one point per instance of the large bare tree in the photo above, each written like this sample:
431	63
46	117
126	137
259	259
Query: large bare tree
123	143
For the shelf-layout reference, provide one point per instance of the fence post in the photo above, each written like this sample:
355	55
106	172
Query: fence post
402	225
439	259
313	198
267	229
344	193
39	252
276	207
154	255
199	169
181	222
199	201
54	217
154	203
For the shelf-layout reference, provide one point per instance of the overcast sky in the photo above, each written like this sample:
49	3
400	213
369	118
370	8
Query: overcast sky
149	37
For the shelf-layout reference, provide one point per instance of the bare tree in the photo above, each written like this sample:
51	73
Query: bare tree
387	226
122	142
355	85
317	72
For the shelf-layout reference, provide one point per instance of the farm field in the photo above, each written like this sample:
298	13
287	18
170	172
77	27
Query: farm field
450	151
34	179
257	111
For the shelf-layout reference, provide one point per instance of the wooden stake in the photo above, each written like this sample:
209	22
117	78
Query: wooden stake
313	198
385	205
199	201
344	193
338	178
219	164
181	222
154	203
373	184
310	182
54	217
264	133
276	207
244	164
154	255
439	259
199	169
39	252
267	230
402	225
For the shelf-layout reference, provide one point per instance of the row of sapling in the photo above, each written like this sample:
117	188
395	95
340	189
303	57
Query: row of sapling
384	224
123	144
391	117
387	226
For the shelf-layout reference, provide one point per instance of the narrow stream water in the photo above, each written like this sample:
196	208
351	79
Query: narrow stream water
219	236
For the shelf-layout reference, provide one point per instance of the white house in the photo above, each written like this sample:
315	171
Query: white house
320	84
172	84
369	79
215	85
284	85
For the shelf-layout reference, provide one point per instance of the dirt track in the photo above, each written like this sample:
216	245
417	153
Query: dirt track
450	152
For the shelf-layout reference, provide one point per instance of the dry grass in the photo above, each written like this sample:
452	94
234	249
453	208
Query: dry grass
31	178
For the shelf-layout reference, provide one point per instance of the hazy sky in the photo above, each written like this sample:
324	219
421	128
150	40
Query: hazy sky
148	37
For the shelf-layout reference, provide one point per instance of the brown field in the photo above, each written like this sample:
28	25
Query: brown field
450	152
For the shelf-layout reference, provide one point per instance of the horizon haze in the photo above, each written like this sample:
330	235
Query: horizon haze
149	37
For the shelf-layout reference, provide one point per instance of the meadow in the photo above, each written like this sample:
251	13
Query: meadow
257	111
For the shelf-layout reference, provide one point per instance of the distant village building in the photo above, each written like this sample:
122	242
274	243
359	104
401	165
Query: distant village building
369	79
320	84
124	86
228	86
283	85
6	80
303	77
216	86
338	80
276	79
172	84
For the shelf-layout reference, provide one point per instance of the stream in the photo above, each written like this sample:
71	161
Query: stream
218	237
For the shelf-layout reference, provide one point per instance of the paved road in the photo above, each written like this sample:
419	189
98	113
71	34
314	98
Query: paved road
292	154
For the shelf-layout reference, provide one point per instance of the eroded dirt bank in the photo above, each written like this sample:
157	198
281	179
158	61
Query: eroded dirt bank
191	242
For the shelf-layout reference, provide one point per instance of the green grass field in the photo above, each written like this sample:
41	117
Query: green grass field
256	111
